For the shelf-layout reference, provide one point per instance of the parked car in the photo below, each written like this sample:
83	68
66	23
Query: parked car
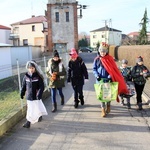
85	49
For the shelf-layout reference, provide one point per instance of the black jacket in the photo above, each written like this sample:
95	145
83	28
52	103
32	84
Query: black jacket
137	78
32	86
77	72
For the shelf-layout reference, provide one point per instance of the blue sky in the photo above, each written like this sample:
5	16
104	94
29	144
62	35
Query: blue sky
125	15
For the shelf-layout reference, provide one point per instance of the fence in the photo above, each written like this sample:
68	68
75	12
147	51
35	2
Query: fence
10	87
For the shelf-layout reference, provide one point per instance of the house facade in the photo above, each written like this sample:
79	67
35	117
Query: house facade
105	34
32	31
62	24
4	32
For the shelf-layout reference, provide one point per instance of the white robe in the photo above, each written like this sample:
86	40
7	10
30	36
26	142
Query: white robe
35	109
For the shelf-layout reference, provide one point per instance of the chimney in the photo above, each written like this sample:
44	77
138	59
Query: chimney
33	16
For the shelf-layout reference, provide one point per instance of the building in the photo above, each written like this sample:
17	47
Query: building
32	31
4	32
134	37
105	34
62	24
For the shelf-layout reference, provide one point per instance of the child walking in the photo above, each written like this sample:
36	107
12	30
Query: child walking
77	74
105	68
139	74
57	74
126	73
33	87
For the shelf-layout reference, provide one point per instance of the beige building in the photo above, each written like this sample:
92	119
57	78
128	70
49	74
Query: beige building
62	24
31	31
105	34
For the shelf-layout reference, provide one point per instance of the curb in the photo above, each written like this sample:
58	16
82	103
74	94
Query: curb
146	98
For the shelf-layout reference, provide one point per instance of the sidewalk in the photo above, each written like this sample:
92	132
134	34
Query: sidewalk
83	128
146	93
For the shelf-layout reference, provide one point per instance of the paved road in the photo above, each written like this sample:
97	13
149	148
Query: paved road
83	128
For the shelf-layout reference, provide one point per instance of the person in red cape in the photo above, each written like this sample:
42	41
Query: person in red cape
105	67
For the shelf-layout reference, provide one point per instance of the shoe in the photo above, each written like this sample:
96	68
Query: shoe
140	106
103	113
54	109
82	101
76	102
122	102
40	119
108	109
128	105
62	101
26	125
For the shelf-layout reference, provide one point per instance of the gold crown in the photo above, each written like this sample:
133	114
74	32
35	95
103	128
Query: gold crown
104	44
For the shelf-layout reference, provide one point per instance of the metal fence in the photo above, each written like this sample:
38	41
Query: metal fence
10	101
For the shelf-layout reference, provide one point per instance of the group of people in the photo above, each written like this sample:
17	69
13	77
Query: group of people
104	67
33	84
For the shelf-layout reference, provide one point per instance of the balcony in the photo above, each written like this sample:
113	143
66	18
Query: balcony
13	36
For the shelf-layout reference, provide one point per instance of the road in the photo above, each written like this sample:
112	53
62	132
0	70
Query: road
83	128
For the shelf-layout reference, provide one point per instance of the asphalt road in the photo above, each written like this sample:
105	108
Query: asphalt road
83	128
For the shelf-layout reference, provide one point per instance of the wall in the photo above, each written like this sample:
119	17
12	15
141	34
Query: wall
65	1
10	55
62	32
112	38
4	36
131	53
25	32
5	62
66	29
22	54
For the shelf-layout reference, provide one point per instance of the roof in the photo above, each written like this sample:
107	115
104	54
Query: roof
4	27
106	29
33	19
133	33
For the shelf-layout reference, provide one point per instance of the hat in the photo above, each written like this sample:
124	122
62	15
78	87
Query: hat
56	54
124	61
103	47
139	59
73	53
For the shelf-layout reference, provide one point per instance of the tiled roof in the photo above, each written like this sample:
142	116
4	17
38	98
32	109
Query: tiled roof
133	33
4	27
38	19
106	29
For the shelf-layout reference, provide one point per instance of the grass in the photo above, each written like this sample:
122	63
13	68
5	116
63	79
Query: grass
9	97
9	102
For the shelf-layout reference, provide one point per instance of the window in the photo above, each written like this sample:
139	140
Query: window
25	42
57	16
103	36
33	28
46	40
94	36
67	16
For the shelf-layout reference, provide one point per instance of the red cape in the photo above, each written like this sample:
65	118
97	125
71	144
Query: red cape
116	76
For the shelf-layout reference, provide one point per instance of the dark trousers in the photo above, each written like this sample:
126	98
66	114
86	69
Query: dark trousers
139	90
53	93
78	92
